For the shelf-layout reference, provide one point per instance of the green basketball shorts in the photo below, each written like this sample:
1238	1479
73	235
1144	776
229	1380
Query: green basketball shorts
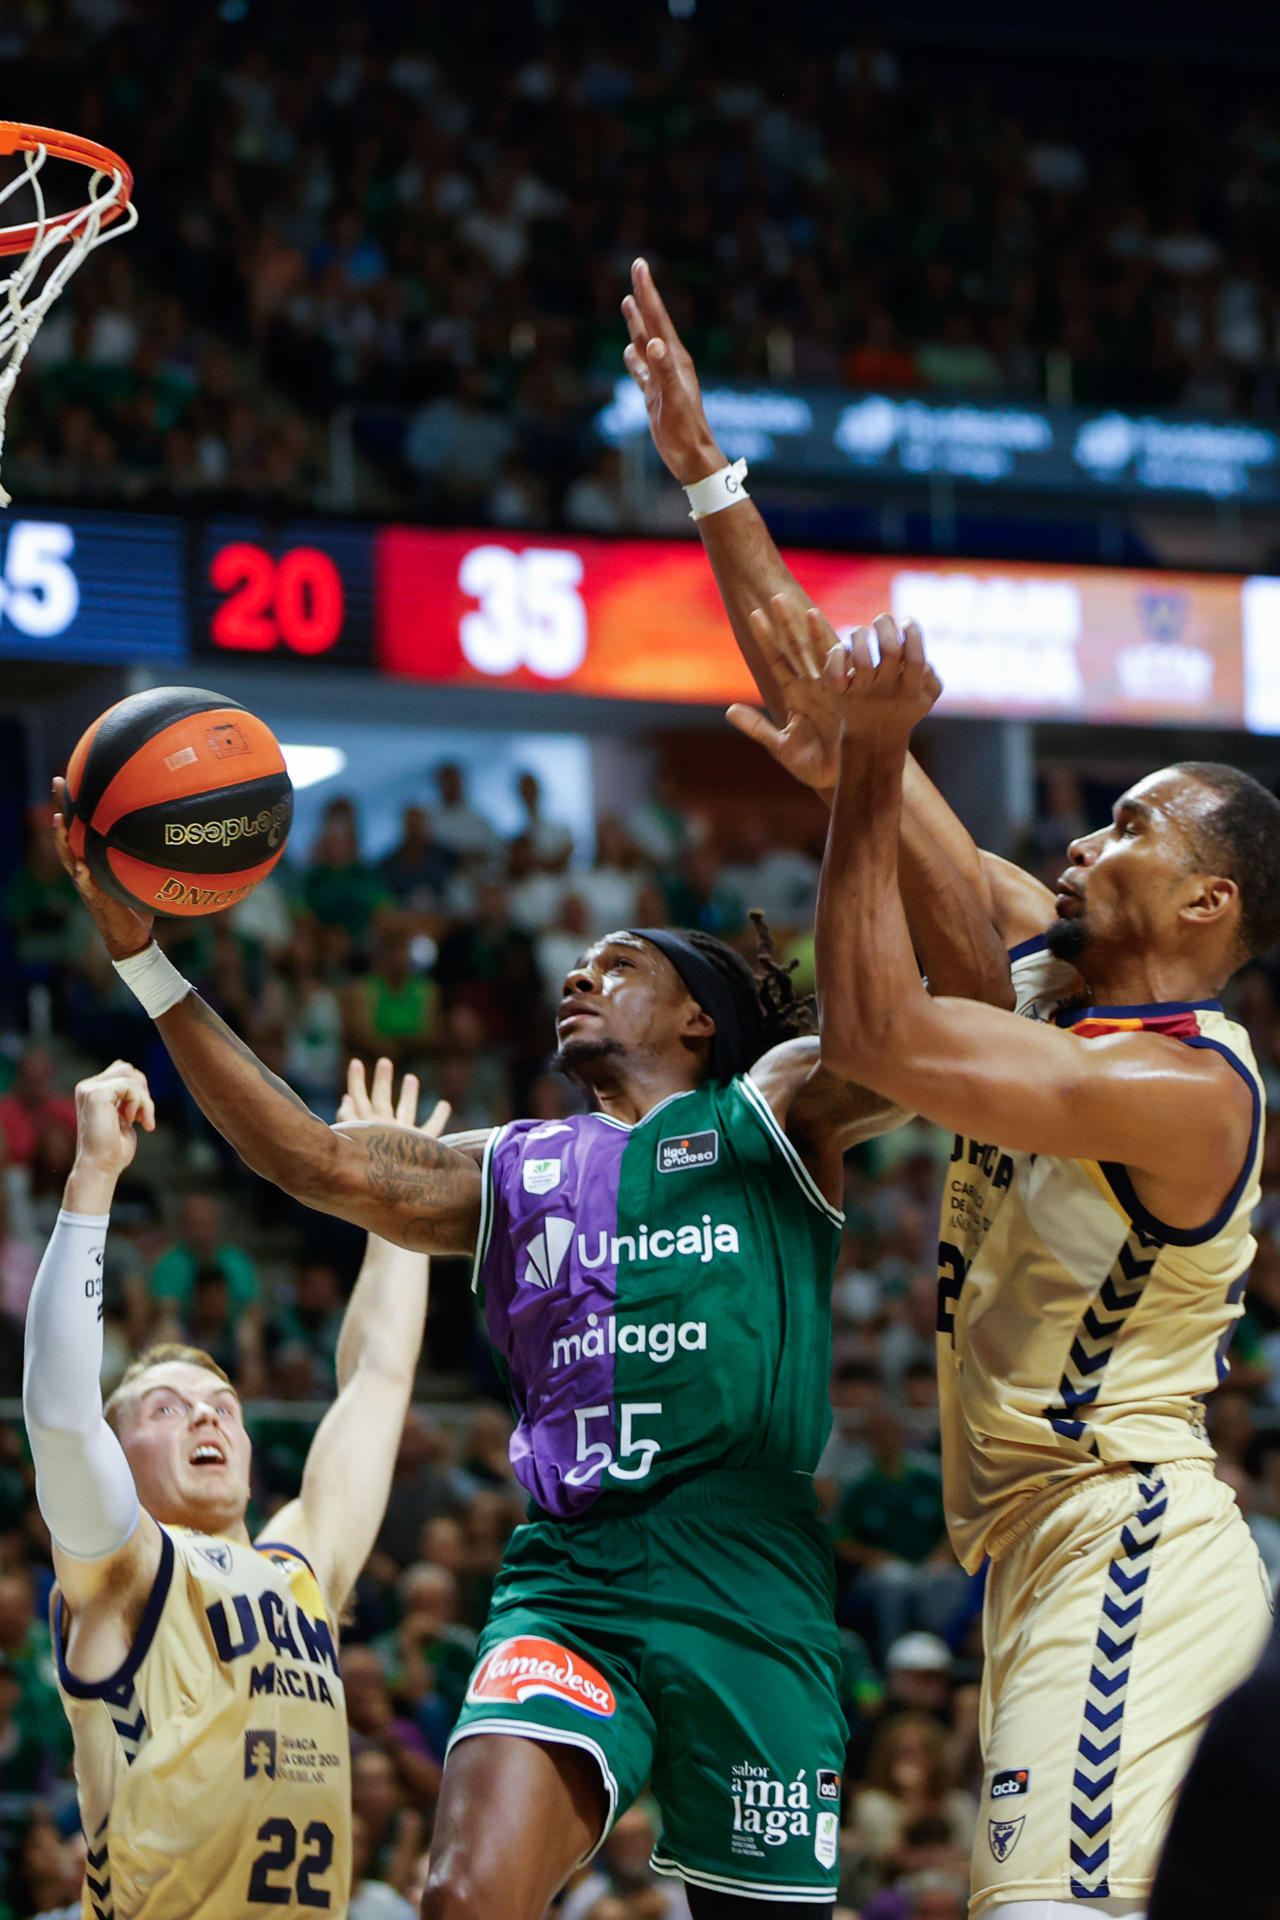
689	1643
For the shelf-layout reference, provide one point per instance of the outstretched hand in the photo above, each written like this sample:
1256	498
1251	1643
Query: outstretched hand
363	1101
123	929
659	363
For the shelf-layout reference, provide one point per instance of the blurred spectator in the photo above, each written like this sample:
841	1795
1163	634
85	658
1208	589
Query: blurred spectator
428	1658
487	964
418	869
18	1262
310	1316
32	1106
42	908
1263	1526
550	842
231	1338
906	1783
535	891
390	1010
781	881
457	826
200	1244
698	894
296	1025
661	828
621	1869
338	887
48	1872
609	886
25	1645
857	1390
376	1898
377	1728
890	1526
486	1458
281	1439
563	943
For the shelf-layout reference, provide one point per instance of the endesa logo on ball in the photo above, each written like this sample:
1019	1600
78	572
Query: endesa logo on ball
527	1668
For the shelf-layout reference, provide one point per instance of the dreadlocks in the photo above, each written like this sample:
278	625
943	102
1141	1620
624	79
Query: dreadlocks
784	1013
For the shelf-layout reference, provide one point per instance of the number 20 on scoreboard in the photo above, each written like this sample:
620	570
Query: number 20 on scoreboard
294	599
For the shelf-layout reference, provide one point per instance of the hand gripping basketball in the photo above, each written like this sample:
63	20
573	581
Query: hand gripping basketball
124	930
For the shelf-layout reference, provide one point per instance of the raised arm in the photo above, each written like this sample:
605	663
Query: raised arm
1176	1116
388	1178
336	1517
949	903
106	1550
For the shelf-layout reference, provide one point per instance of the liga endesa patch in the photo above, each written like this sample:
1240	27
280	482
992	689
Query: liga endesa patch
527	1667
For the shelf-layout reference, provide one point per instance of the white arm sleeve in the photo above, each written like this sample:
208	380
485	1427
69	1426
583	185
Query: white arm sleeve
83	1483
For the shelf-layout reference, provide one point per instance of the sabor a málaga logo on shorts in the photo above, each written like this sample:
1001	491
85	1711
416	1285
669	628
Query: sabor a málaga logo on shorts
680	1150
769	1810
529	1668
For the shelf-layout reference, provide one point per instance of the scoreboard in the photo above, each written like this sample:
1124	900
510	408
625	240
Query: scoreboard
622	619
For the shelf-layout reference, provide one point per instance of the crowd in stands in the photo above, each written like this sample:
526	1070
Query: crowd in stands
396	210
446	953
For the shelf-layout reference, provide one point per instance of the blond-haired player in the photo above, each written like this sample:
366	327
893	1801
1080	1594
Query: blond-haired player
198	1668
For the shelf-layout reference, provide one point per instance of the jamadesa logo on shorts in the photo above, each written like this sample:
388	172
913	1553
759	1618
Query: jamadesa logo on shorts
527	1668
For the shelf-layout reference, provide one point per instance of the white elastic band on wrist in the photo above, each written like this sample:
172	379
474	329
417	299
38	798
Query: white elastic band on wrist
153	979
717	491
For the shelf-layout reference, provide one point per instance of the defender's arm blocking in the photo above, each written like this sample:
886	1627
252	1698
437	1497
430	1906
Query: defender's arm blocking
336	1517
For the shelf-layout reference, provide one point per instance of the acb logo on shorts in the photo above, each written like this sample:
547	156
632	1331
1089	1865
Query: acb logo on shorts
528	1668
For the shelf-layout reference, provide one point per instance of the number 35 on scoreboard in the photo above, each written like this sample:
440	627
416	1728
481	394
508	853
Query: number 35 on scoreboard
530	612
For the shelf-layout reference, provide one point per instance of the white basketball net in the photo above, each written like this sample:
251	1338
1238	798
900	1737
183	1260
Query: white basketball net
23	305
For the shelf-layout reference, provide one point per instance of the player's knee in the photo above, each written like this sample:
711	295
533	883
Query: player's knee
461	1890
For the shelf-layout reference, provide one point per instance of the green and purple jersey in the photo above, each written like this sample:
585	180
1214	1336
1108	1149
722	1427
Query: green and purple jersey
658	1296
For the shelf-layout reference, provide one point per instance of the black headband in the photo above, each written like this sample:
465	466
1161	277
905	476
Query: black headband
739	1038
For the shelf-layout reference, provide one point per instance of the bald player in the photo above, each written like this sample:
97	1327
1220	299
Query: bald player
1095	1243
1095	1235
198	1668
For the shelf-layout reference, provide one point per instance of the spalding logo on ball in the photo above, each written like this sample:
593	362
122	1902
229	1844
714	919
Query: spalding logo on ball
178	801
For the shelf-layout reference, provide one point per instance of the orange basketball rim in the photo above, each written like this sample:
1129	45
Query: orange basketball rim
17	137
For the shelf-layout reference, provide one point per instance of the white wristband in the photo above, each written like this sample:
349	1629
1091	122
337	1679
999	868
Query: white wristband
717	491
153	979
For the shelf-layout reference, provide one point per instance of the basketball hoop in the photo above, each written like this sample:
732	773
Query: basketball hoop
23	305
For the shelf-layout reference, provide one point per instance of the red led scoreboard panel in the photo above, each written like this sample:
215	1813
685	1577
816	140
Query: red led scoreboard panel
631	619
641	619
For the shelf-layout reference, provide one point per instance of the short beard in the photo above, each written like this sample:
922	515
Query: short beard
575	1057
1067	939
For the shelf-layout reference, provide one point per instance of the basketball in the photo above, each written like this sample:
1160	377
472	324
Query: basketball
178	801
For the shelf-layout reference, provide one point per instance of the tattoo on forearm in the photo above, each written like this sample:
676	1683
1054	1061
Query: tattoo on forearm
408	1169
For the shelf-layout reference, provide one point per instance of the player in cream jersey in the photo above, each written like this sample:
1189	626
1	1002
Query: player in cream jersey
214	1777
1095	1234
199	1670
1076	1332
1095	1244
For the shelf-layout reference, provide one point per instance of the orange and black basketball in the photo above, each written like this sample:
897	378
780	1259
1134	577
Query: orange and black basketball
178	801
